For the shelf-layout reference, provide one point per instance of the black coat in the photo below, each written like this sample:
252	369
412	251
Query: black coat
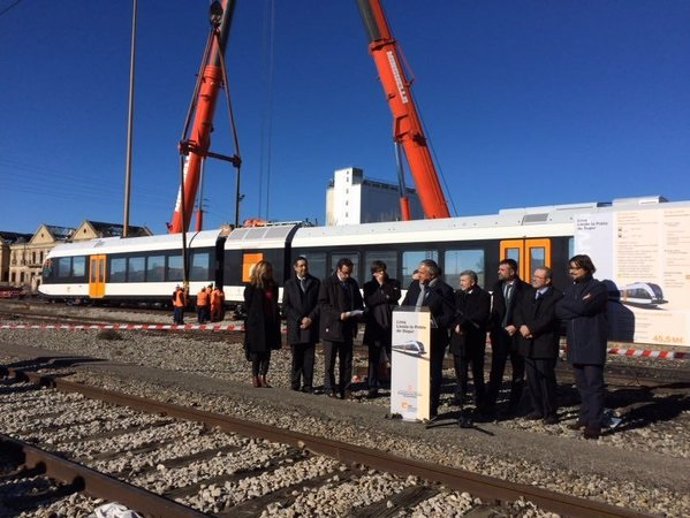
297	305
439	298
539	315
334	299
472	312
499	308
583	309
262	326
380	301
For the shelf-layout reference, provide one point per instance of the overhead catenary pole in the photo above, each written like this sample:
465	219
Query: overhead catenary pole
130	121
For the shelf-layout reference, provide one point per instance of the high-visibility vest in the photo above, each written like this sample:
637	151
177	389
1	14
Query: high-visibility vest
202	298
217	297
179	299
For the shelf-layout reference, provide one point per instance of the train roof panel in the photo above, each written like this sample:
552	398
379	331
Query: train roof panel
115	245
259	237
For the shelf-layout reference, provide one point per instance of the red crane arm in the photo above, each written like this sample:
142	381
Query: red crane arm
196	146
407	126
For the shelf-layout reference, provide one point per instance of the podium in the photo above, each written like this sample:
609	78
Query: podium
411	363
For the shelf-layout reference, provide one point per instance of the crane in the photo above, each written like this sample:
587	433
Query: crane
408	131
196	139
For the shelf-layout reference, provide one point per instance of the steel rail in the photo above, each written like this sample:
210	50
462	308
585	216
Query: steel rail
492	490
94	483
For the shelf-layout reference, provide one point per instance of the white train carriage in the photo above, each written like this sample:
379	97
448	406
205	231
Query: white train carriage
145	269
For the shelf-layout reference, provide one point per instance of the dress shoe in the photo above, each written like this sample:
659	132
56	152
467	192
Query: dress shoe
576	425
551	419
308	390
534	416
265	383
256	381
591	432
330	393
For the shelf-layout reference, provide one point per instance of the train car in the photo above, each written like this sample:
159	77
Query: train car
138	269
628	240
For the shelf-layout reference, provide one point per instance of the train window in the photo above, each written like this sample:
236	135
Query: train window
118	269
200	269
64	269
537	258
390	257
175	268
411	260
155	268
456	261
317	264
353	256
571	247
79	266
136	269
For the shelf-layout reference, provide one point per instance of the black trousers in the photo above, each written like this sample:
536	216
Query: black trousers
541	384
302	365
343	351
260	362
589	380
201	314
502	347
375	352
178	316
474	356
439	343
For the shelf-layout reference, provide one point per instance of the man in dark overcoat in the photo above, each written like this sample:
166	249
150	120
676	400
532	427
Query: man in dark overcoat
506	292
301	306
431	292
583	309
340	304
538	343
468	336
381	295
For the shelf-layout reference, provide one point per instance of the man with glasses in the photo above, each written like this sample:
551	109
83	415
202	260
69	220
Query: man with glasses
583	308
538	343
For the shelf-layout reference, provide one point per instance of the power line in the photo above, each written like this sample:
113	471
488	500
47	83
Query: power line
6	9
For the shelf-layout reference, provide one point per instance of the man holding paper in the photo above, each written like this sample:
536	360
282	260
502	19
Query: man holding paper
340	304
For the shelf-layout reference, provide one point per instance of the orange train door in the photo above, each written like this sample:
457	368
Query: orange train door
529	254
97	276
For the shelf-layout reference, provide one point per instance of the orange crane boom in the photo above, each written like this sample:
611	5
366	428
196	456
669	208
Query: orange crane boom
196	146
407	125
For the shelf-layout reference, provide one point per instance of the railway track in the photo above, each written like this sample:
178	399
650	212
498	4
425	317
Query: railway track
201	462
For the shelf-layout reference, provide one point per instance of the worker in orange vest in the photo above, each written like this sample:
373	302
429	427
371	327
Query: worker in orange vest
217	300
202	303
179	302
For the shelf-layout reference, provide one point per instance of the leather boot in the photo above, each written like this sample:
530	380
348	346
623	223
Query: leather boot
264	382
256	381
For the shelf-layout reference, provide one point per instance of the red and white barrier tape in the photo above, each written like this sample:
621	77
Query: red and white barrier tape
130	327
640	353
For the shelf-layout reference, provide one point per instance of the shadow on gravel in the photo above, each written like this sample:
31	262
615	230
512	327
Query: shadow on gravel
640	407
49	362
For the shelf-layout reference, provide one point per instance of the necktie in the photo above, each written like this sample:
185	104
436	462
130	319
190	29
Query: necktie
507	288
302	285
420	298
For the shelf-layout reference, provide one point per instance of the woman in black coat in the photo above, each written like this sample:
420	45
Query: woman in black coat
583	309
262	326
381	295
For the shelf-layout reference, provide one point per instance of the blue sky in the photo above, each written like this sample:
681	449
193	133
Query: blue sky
525	102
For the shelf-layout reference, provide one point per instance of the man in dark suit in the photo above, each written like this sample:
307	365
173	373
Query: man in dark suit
468	336
340	304
300	303
503	333
583	309
538	339
430	291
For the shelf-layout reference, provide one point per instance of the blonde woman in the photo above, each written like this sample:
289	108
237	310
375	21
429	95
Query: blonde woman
262	327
